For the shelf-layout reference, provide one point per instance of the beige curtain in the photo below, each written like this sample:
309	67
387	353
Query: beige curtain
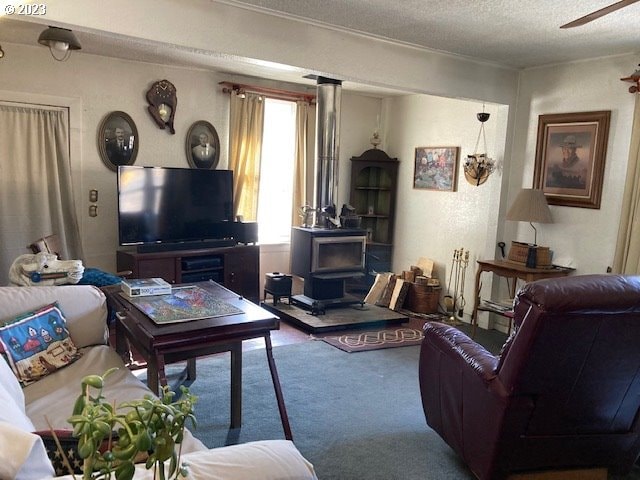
245	147
627	257
36	194
300	167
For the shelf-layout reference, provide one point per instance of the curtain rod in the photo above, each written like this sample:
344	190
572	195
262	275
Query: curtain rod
229	87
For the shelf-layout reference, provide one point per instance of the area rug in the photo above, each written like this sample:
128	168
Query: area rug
406	334
374	339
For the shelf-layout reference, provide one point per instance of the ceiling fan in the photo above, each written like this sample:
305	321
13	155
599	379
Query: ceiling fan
599	13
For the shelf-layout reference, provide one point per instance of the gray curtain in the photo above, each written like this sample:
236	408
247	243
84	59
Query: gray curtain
36	194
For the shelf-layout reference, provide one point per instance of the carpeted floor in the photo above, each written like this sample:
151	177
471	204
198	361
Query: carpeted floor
353	416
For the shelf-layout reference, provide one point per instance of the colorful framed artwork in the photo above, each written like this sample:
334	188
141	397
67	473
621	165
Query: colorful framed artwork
436	168
570	157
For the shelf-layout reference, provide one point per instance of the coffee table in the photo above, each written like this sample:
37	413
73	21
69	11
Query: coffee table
163	344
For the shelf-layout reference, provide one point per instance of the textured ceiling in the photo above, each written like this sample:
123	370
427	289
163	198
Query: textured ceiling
512	33
515	33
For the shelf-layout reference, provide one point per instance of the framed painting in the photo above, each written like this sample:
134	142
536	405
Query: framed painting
570	157
202	146
117	140
436	168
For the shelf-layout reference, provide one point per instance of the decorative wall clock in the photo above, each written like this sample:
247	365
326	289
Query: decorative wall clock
162	103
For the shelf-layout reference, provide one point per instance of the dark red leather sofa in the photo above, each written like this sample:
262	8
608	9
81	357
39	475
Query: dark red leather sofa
564	393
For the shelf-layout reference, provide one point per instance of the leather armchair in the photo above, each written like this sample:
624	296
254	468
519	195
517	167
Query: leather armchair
564	392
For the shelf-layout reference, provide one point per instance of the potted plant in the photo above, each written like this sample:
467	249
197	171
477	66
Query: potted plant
111	439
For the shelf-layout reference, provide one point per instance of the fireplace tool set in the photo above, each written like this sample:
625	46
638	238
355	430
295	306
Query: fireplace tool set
454	305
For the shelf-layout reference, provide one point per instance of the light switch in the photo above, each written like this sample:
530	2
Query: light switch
93	195
93	210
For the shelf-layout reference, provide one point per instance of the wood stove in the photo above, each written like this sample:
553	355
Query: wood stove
325	258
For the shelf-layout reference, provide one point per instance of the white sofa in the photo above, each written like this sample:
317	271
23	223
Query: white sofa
23	409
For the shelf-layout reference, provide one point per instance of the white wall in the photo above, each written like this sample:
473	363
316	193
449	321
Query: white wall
432	223
359	116
102	85
584	238
98	85
221	30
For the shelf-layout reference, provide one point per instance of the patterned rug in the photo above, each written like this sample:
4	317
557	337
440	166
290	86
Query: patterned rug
374	339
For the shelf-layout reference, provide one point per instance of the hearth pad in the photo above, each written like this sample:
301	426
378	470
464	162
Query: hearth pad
336	318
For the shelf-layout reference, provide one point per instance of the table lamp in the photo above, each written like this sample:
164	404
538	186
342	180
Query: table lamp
530	206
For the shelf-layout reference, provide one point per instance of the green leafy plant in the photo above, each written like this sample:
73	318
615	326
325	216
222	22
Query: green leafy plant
111	439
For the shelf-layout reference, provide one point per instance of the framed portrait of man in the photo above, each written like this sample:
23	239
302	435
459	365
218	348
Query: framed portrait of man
202	146
117	140
570	157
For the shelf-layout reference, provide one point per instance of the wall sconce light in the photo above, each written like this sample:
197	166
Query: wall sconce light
478	167
60	41
635	79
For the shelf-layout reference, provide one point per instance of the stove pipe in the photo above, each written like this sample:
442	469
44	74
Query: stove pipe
329	94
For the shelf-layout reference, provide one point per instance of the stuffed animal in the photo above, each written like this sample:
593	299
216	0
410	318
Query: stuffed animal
42	269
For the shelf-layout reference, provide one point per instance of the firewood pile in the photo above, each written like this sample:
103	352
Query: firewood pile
416	289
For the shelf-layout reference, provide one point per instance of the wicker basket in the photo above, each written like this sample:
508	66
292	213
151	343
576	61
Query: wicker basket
519	251
422	298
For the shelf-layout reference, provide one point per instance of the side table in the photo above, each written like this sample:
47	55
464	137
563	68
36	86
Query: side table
512	270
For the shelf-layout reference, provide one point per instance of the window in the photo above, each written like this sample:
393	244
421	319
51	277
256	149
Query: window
276	171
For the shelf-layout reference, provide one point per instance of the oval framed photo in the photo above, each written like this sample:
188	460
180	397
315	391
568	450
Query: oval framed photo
117	140
202	146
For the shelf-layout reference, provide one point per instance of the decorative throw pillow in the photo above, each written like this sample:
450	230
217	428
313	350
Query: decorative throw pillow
37	343
9	383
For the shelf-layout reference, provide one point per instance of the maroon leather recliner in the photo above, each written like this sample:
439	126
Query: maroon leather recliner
564	393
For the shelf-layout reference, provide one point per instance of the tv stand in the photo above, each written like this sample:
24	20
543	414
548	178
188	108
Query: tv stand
194	245
236	267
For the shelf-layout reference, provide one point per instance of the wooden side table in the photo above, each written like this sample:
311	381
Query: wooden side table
509	270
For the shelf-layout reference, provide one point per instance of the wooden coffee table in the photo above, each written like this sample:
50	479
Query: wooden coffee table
160	345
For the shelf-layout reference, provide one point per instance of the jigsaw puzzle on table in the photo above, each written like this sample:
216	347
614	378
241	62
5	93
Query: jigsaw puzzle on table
182	305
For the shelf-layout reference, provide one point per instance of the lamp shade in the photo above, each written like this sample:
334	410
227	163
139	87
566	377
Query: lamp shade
530	206
55	36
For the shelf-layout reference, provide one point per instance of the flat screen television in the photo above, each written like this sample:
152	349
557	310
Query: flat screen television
158	205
